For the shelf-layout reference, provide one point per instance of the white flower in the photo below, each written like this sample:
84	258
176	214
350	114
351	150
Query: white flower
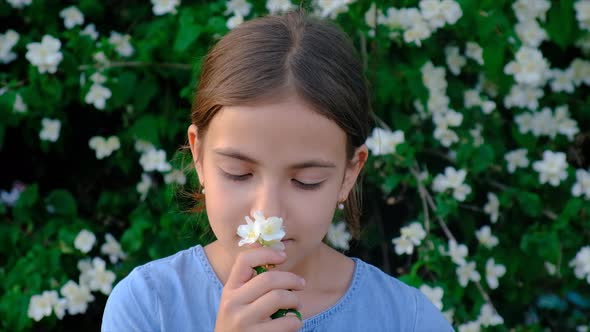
581	70
84	241
403	245
466	273
562	80
19	105
564	124
583	13
516	159
445	136
458	252
582	185
411	235
493	272
531	9
470	327
162	7
97	277
142	146
338	236
523	96
488	316
452	179
19	3
72	16
417	33
492	207
454	60
41	305
50	130
529	67
7	42
234	21
581	264
154	160
448	314
104	147
238	7
451	10
530	33
45	55
112	248
331	8
121	43
432	12
90	31
268	231
77	297
382	141
551	268
552	168
434	294
10	198
476	135
485	237
175	176
474	51
100	58
144	185
278	6
98	78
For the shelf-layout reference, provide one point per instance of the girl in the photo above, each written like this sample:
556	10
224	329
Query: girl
279	122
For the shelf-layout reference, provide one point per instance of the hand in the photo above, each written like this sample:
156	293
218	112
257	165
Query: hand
247	302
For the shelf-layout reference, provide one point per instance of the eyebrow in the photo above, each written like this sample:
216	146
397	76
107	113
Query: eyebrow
231	153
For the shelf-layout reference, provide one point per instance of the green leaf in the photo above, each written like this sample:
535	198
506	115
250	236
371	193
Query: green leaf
561	23
63	202
542	243
530	203
482	158
188	32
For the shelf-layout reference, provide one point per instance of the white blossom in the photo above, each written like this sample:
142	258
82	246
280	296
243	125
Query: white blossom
582	185
582	8
411	235
96	277
19	3
175	176
267	231
493	272
234	21
474	51
581	70
531	9
144	185
9	198
121	43
97	96
112	248
45	55
455	61
552	168
332	8
104	147
529	67
142	146
383	142
551	268
41	305
77	297
338	236
458	252
564	124
486	238
492	207
562	80
476	135
434	294
238	7
516	159
470	327
466	273
162	7
488	316
154	160
278	6
581	264
50	129
19	105
530	33
403	245
7	42
84	241
90	31
523	96
451	10
452	179
72	16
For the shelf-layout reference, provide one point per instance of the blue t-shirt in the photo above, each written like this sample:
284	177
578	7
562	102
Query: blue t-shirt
182	292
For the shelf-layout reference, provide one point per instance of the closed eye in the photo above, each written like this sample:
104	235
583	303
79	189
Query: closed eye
244	177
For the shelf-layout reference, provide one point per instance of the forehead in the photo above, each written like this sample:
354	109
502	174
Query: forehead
285	131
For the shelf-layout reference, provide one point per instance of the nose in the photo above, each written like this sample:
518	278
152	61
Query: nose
269	200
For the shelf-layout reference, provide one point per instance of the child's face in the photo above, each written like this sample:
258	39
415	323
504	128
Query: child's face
282	159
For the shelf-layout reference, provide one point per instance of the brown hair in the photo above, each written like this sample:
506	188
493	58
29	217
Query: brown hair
269	57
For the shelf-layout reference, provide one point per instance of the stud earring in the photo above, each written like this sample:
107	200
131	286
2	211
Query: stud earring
341	206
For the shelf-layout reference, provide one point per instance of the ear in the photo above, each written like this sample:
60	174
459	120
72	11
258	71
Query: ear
352	171
196	150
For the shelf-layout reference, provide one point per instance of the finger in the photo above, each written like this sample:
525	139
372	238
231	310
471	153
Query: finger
271	302
264	283
241	271
287	323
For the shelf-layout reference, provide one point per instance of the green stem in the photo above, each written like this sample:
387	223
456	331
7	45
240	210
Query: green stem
281	312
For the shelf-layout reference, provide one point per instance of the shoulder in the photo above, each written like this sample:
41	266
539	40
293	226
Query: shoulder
400	300
142	298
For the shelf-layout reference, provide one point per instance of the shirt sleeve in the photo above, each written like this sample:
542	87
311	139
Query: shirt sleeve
428	317
132	305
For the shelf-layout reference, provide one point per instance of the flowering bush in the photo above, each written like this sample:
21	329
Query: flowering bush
477	187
